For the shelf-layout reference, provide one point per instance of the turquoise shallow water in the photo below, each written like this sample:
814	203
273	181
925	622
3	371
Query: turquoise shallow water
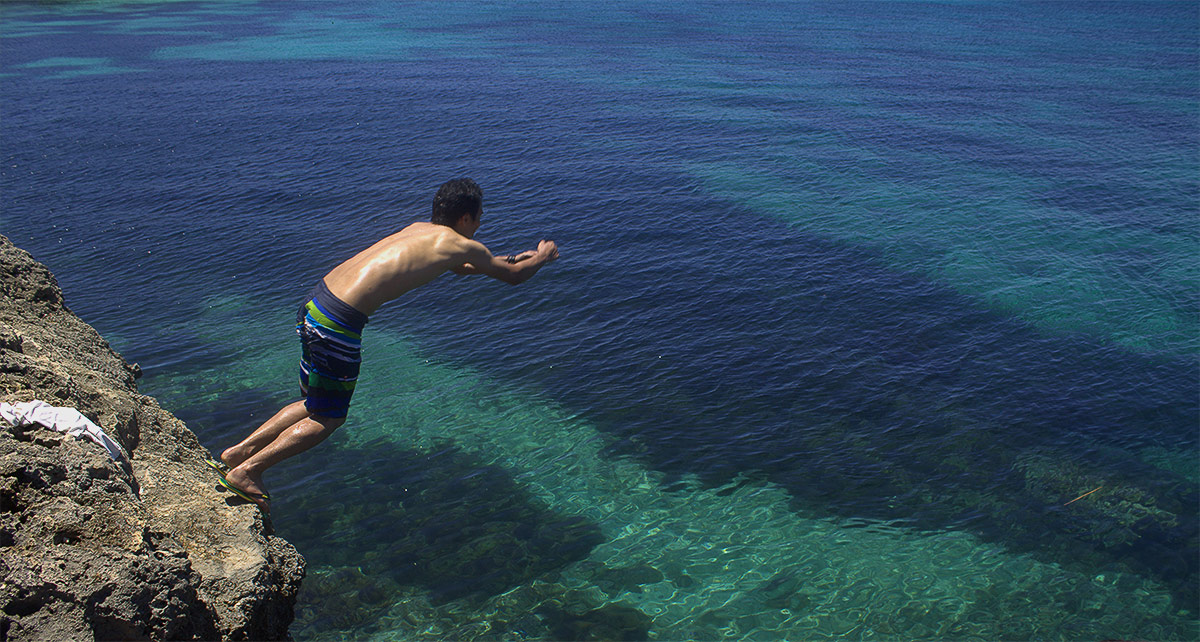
853	299
519	524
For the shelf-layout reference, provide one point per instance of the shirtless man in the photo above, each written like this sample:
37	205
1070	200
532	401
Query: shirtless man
330	325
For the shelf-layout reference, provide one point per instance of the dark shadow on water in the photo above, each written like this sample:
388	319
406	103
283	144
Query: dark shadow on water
382	526
865	391
434	536
441	522
917	408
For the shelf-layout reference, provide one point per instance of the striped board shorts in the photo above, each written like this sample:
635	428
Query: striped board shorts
331	340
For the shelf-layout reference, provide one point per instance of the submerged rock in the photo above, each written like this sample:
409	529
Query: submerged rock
95	549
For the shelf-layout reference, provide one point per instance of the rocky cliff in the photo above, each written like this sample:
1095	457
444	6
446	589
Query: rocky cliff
94	549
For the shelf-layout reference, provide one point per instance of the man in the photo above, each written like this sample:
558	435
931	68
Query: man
330	325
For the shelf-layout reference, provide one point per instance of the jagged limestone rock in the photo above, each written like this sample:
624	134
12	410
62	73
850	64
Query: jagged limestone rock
92	548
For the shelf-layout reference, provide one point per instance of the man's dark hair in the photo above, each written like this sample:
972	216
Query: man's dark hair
455	199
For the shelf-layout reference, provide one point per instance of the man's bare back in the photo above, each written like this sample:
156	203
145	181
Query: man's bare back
415	256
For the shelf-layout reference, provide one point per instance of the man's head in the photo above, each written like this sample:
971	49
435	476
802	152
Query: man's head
455	199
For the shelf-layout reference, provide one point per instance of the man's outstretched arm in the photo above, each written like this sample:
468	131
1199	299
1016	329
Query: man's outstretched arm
518	270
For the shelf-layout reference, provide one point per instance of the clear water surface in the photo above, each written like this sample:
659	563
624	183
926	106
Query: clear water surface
855	298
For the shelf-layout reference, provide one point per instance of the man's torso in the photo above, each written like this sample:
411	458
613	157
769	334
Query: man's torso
401	262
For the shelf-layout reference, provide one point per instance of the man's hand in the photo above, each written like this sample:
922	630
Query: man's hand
519	267
512	269
547	248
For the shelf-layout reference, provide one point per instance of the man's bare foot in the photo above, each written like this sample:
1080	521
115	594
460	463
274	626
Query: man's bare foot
248	488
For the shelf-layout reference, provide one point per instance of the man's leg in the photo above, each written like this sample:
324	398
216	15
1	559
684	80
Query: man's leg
297	438
265	434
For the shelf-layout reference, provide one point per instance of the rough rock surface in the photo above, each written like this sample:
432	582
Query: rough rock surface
93	549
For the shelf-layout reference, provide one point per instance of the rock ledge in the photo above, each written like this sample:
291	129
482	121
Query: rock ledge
92	549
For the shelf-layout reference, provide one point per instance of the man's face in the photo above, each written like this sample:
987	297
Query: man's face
468	225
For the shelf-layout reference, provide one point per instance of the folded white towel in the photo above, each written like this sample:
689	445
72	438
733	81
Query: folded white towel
68	420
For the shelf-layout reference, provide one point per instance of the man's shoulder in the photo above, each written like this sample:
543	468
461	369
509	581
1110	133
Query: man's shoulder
424	233
441	240
423	228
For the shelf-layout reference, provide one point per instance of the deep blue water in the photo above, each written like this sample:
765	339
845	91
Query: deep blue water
853	298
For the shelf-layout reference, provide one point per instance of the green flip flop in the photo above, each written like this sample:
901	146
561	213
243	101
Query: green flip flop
221	467
244	494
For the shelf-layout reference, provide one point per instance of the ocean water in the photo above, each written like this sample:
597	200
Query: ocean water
854	300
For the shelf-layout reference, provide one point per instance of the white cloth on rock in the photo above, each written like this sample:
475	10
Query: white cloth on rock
68	420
